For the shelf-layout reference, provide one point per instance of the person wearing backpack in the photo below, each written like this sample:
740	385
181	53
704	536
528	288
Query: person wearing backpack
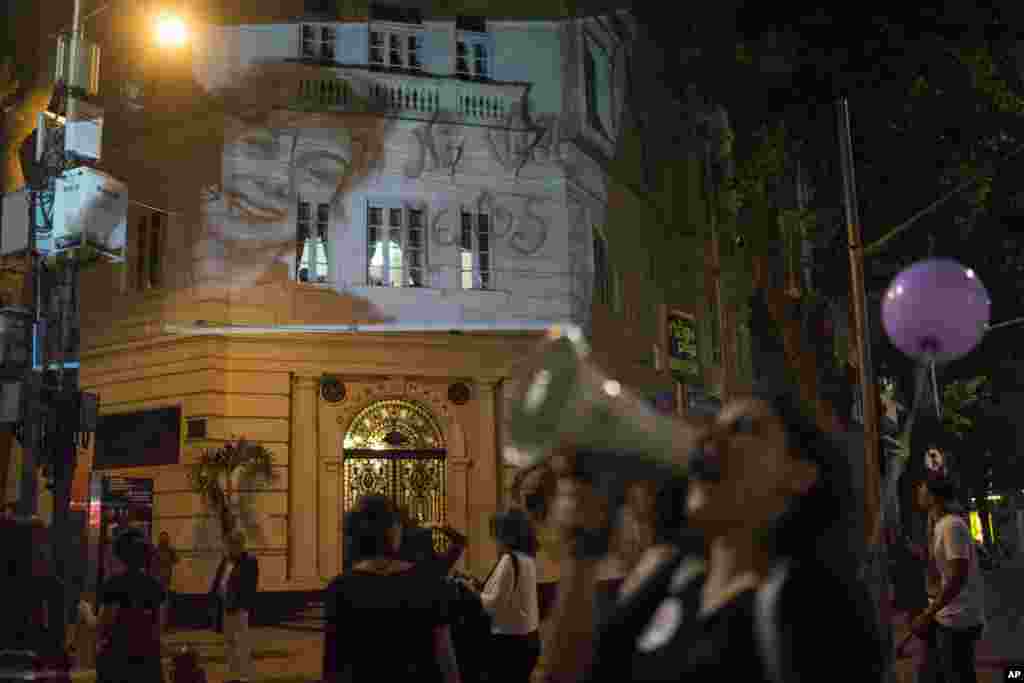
775	599
129	619
509	595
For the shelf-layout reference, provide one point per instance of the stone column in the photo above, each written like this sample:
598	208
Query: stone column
302	481
483	492
460	492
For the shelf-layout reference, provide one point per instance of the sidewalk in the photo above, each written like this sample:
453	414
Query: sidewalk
989	666
279	655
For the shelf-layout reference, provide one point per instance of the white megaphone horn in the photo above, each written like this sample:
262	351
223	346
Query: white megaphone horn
565	401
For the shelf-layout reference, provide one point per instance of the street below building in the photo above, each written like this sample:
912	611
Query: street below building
1003	641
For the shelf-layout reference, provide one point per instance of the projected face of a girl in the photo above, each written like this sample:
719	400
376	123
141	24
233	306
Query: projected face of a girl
272	155
266	169
251	224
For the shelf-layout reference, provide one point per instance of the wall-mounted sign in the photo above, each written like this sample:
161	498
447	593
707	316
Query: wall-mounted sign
682	345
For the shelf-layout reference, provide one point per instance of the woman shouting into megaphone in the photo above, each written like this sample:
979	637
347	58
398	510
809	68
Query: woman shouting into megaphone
776	596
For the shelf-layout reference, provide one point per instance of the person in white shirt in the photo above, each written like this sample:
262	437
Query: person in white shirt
955	618
510	597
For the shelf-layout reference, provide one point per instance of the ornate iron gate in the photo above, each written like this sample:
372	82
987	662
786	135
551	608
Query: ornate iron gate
395	449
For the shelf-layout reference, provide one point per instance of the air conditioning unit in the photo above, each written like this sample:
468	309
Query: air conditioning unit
90	208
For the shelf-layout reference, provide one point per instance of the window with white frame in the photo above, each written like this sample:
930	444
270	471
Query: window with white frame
396	246
472	57
396	48
318	42
311	263
475	255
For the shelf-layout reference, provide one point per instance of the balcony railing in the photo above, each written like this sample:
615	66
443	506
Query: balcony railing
416	96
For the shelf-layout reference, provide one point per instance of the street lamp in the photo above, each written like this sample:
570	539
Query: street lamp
171	30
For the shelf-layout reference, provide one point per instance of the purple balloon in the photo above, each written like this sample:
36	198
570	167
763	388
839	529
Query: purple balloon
936	310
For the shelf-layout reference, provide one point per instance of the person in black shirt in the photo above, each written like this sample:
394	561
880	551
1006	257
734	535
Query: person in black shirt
777	598
386	620
129	619
418	545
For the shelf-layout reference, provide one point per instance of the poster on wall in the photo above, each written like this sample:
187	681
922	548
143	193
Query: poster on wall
682	345
124	503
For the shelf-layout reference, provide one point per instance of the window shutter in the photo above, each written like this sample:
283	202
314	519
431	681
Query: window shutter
353	43
156	245
436	50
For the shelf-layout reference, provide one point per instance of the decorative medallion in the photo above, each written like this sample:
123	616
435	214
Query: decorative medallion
332	389
459	393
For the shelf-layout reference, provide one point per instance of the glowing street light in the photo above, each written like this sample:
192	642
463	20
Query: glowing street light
171	31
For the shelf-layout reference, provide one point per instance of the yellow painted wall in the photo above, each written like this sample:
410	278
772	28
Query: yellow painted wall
265	388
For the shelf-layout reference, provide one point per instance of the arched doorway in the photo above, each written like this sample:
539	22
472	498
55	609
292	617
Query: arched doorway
395	448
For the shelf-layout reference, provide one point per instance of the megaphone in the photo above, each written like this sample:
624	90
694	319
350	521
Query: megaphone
566	401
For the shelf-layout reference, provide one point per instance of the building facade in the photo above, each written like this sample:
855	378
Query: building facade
441	188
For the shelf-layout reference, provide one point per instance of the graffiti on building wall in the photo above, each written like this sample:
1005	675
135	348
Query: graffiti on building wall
522	139
516	221
439	144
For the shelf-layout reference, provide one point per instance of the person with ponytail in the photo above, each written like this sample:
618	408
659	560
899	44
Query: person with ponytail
386	620
776	597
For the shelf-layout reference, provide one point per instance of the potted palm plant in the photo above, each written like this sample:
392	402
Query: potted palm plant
215	474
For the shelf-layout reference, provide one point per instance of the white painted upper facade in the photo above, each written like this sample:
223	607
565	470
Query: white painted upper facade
435	196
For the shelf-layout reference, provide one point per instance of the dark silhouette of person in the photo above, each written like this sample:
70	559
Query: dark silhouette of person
129	619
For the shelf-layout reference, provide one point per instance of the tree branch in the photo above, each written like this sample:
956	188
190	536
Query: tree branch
877	246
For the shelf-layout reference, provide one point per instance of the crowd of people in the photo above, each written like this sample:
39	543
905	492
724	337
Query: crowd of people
746	568
728	573
117	629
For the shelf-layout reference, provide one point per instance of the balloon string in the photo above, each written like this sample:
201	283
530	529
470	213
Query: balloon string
935	390
920	390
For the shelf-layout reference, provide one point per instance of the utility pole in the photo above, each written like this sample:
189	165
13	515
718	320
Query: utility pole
62	444
876	564
862	336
